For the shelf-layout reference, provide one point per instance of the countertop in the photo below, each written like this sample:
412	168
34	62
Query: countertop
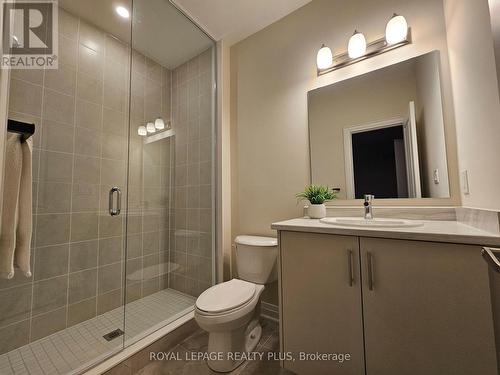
432	230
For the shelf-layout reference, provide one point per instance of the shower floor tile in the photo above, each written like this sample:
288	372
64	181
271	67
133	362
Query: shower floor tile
75	348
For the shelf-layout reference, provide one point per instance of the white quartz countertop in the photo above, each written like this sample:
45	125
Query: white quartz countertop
435	231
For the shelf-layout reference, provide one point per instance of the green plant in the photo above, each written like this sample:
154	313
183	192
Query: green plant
316	194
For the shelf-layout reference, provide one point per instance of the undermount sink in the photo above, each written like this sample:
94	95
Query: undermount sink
371	223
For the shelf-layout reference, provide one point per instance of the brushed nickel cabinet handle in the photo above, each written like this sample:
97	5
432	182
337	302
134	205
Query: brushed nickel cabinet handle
489	256
115	211
350	267
369	258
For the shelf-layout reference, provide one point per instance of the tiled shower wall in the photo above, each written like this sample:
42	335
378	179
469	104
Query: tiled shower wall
80	152
192	108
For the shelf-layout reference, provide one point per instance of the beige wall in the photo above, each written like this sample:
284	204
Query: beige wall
430	125
271	73
476	98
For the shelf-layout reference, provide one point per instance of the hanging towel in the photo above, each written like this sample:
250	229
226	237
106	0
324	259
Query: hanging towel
12	181
24	217
14	223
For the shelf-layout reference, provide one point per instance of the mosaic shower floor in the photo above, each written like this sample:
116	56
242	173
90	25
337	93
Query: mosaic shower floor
73	349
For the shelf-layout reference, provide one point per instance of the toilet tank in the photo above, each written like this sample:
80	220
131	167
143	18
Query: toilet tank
256	259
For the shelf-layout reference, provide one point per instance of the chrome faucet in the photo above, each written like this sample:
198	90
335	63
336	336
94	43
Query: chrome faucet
368	206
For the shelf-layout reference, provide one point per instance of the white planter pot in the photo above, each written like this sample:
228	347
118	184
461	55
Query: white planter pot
316	211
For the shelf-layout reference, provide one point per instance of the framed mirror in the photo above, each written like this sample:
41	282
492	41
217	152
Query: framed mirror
381	133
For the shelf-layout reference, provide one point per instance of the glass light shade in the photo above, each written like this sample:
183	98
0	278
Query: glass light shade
396	30
159	124
324	59
122	11
141	130
357	45
150	127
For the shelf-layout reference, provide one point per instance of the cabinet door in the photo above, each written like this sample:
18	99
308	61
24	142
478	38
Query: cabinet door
321	307
428	309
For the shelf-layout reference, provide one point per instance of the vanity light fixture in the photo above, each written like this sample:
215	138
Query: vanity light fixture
150	127
141	130
397	34
357	45
324	59
122	12
159	124
396	30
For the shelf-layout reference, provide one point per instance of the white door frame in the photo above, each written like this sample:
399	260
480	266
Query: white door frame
348	160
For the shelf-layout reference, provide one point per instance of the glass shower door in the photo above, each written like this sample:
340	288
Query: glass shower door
170	239
70	313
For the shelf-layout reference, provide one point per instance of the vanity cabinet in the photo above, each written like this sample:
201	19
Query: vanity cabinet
413	307
321	301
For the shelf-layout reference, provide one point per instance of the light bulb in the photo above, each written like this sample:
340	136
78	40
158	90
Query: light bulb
141	130
122	11
357	45
159	124
324	59
150	127
396	30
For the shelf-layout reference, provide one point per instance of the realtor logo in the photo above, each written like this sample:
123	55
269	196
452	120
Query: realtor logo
29	34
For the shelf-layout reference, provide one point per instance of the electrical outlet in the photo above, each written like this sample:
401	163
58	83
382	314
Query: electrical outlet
464	181
435	176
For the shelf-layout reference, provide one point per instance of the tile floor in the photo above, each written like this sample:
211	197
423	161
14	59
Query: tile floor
198	342
74	349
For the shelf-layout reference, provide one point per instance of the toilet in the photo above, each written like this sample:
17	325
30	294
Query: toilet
230	311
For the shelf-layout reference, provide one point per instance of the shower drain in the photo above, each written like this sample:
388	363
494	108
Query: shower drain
113	334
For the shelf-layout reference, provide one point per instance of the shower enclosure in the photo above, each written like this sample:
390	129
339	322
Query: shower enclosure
123	185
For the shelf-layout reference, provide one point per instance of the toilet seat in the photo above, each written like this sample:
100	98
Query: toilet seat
226	297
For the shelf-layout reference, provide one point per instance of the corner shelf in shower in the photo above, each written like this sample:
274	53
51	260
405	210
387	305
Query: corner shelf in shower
159	136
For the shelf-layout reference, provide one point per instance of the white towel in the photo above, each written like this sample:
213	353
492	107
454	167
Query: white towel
15	232
24	218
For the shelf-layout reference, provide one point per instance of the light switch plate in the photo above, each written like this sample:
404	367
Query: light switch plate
435	176
464	181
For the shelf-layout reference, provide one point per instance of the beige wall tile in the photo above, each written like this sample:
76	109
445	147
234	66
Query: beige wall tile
81	311
110	250
62	79
109	278
53	197
109	301
82	285
49	294
16	304
68	24
14	336
55	167
83	255
85	197
47	324
58	107
88	115
52	229
84	226
25	98
56	136
90	62
89	88
88	142
87	170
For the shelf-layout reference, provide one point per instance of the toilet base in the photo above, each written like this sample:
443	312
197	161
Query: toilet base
242	340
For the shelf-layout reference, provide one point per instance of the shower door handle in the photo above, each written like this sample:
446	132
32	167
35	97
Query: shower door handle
115	211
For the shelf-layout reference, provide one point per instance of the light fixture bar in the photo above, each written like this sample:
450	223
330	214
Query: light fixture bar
374	48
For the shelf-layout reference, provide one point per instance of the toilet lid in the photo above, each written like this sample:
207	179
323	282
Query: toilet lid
226	296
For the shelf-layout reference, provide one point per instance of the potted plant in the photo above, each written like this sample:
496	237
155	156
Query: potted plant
317	195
